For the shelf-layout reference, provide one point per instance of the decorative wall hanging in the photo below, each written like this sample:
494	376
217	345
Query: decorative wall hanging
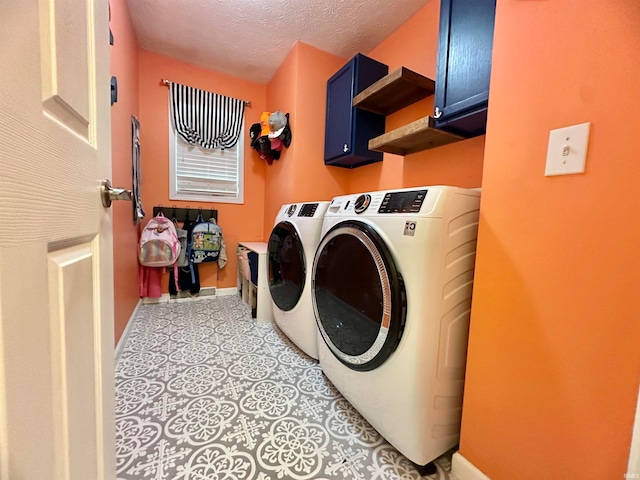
206	118
138	211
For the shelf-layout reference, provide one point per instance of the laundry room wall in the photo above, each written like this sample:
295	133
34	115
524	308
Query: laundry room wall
124	65
553	365
300	84
239	222
414	45
282	93
299	87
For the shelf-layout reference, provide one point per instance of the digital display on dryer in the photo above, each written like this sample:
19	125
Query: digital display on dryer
402	202
308	210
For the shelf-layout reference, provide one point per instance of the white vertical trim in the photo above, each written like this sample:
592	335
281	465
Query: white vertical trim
125	333
463	469
633	469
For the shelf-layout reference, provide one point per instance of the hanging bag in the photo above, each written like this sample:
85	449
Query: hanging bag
206	241
204	244
159	245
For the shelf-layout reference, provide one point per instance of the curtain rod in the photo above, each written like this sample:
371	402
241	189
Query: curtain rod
166	83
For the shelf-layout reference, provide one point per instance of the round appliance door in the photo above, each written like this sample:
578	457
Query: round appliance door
358	296
287	269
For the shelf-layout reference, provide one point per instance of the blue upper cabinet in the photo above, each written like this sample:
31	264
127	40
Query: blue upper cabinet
348	130
464	66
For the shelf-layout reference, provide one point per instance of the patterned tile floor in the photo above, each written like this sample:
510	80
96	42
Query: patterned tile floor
203	392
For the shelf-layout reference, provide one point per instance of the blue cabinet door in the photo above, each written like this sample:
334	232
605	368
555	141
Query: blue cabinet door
348	130
464	65
338	133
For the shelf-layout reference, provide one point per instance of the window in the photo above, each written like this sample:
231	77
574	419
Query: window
205	175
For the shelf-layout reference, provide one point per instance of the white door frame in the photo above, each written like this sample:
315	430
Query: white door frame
633	467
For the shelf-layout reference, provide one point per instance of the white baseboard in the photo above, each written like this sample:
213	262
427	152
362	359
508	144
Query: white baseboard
185	296
125	333
162	299
463	469
633	468
223	292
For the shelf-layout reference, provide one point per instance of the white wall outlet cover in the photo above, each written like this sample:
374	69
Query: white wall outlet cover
567	151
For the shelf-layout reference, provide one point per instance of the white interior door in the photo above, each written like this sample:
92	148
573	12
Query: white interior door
56	279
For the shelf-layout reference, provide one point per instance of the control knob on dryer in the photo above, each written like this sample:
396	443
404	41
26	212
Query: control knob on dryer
362	203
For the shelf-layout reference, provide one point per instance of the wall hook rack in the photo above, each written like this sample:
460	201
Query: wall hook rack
180	214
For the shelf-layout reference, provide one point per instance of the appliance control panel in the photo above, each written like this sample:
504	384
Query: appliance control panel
362	203
402	202
308	210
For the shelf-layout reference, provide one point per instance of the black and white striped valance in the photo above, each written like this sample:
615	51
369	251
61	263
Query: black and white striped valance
205	118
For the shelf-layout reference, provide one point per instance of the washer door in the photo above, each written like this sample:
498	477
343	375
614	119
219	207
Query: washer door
358	296
287	269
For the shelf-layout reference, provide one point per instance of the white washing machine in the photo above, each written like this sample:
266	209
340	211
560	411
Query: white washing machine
291	247
392	281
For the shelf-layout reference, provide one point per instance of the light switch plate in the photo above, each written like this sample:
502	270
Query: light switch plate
567	151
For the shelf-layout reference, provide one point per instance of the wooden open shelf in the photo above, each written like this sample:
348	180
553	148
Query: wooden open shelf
414	137
395	91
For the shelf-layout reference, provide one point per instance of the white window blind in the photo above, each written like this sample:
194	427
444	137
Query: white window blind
206	175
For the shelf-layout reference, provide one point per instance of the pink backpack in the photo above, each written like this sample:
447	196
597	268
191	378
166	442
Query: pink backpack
159	245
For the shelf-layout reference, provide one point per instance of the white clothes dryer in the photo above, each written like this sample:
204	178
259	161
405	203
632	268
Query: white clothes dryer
392	282
291	247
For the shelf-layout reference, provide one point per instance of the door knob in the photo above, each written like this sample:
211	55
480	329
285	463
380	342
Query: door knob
109	194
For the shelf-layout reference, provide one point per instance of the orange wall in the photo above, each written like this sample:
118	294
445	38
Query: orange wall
553	366
315	180
299	87
282	94
415	45
124	65
239	222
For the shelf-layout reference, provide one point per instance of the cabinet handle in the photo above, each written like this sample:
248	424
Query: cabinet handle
437	113
345	149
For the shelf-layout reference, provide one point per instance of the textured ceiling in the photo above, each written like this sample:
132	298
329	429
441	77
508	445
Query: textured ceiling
250	38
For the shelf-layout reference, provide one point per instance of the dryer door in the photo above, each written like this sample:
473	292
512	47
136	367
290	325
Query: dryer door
358	296
287	269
